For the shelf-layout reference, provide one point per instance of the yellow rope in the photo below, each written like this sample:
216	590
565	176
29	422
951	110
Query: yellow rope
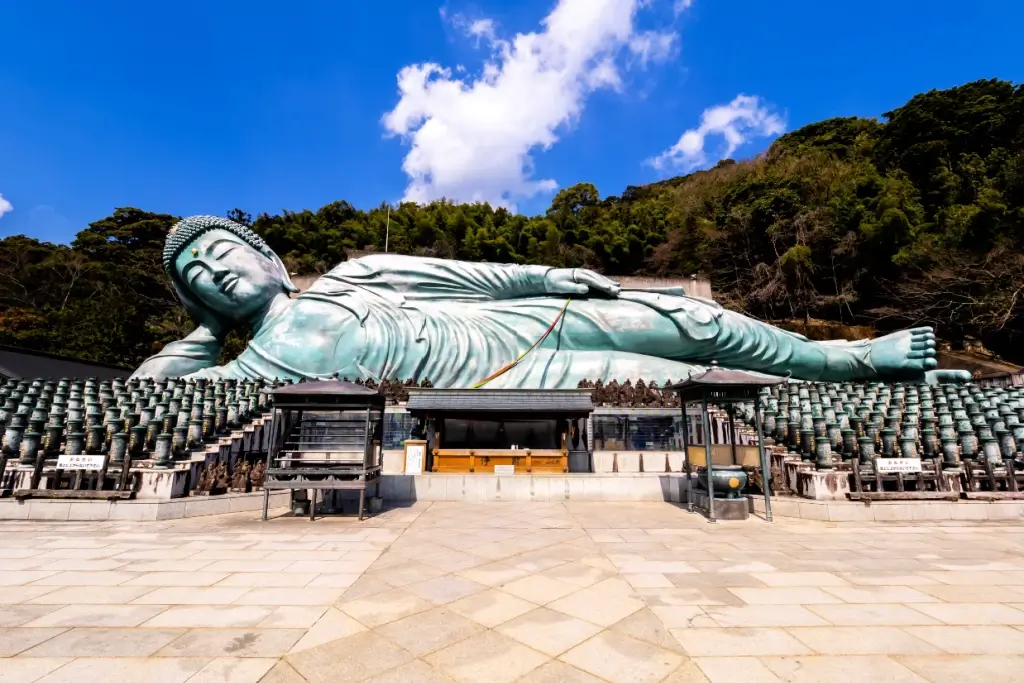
525	353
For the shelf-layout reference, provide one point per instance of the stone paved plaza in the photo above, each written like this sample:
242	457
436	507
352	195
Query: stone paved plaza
511	592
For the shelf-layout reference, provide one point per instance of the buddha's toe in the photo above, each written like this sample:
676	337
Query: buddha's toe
905	354
922	348
916	365
917	344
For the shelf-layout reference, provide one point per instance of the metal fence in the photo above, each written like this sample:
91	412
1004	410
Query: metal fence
397	428
637	433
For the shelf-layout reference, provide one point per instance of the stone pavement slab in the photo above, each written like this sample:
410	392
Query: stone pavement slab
14	641
429	631
616	657
526	592
105	642
487	658
126	670
548	631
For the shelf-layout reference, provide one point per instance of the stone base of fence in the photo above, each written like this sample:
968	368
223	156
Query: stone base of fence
140	510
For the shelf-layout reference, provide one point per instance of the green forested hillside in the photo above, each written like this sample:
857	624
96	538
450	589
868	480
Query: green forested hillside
917	217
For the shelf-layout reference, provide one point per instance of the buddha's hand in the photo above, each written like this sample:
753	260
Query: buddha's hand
579	281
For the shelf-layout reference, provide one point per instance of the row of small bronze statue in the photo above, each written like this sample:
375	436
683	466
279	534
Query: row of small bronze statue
395	391
625	395
629	395
216	479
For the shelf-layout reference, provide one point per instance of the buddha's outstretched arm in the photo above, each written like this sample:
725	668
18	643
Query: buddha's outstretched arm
254	361
195	352
432	278
196	356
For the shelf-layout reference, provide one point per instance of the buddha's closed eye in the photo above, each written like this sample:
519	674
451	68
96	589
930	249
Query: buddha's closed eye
225	252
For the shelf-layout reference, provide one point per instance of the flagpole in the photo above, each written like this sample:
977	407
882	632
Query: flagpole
387	230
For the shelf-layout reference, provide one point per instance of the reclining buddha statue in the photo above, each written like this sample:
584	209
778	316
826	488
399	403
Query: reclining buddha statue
459	324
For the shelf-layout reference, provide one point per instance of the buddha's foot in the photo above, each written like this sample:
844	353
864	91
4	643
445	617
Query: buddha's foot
904	355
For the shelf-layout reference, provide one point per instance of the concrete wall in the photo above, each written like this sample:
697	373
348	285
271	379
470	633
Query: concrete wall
477	488
693	286
139	510
892	511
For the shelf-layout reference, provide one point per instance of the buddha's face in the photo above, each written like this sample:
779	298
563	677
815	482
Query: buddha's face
228	275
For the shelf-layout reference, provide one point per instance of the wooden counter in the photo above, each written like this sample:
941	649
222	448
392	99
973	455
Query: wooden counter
483	460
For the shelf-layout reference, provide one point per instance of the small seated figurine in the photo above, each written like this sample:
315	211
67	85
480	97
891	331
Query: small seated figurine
458	324
219	476
258	474
205	480
240	477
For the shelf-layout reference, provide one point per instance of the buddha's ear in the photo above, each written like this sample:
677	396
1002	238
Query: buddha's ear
286	280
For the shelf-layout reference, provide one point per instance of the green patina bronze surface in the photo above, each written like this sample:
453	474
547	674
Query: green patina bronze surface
386	316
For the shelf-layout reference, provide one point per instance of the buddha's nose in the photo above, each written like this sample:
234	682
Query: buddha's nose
218	273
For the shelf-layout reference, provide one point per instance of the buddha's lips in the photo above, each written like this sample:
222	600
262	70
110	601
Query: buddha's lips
228	284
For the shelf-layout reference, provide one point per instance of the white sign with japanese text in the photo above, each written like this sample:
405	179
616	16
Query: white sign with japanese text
80	462
898	465
414	456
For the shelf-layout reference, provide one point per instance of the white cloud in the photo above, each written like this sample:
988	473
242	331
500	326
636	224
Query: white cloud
481	28
5	206
739	122
472	139
681	6
478	29
653	46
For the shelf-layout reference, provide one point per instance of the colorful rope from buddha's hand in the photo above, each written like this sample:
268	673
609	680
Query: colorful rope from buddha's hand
525	353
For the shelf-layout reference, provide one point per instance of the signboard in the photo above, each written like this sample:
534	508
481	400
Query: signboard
504	470
80	462
898	465
415	456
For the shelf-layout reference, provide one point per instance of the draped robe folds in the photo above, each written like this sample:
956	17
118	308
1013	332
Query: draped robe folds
455	323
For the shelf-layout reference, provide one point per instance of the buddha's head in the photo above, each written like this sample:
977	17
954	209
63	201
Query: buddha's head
223	272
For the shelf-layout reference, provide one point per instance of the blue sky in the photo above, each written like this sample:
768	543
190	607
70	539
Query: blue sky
200	107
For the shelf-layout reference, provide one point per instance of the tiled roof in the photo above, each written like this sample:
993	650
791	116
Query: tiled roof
27	364
722	382
320	388
501	400
326	393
